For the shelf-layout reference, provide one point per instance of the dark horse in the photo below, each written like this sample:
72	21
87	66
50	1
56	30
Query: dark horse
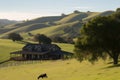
42	76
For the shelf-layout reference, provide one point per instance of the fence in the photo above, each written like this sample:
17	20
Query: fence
17	63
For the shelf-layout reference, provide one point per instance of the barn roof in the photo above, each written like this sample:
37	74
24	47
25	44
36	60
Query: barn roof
40	49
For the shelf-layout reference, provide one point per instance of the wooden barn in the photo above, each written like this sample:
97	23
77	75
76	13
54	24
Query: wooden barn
38	52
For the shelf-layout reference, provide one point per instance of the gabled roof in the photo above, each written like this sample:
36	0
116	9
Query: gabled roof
41	47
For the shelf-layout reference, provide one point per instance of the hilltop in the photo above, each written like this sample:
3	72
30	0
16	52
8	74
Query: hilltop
4	22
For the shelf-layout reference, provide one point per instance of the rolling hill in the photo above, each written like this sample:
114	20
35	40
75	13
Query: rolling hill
63	30
4	22
95	14
73	17
7	46
67	25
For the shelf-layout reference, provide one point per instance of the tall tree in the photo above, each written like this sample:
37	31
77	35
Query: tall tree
15	37
99	37
41	38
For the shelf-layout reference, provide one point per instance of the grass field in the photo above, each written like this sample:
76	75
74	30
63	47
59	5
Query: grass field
56	70
62	70
7	46
66	47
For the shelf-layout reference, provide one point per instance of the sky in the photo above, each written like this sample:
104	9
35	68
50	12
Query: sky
30	9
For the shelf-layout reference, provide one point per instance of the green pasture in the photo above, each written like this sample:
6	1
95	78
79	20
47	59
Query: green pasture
62	70
7	46
56	70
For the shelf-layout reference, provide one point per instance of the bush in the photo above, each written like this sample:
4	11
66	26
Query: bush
41	38
15	37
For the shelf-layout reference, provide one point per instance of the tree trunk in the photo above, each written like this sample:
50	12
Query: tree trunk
115	59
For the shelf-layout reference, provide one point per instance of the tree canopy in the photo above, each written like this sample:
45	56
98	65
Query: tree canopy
100	37
15	37
41	38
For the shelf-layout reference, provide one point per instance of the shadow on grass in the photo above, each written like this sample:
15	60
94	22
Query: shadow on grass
111	62
4	61
67	53
112	66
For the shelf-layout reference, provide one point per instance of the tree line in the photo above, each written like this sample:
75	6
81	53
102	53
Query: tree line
41	38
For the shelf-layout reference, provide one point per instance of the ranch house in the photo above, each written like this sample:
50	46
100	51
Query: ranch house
38	52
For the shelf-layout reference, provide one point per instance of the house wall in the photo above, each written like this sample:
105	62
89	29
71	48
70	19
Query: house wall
40	57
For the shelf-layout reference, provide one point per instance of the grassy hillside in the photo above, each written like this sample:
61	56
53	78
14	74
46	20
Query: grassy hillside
91	15
95	14
32	23
62	70
81	16
56	25
73	17
48	19
66	48
106	13
26	28
4	30
7	46
64	30
4	22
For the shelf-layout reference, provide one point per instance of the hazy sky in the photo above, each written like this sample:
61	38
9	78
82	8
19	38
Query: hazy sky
28	9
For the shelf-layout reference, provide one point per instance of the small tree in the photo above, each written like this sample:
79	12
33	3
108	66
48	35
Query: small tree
30	34
15	37
76	11
41	38
63	14
99	38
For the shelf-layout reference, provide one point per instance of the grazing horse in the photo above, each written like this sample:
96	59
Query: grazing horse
42	76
